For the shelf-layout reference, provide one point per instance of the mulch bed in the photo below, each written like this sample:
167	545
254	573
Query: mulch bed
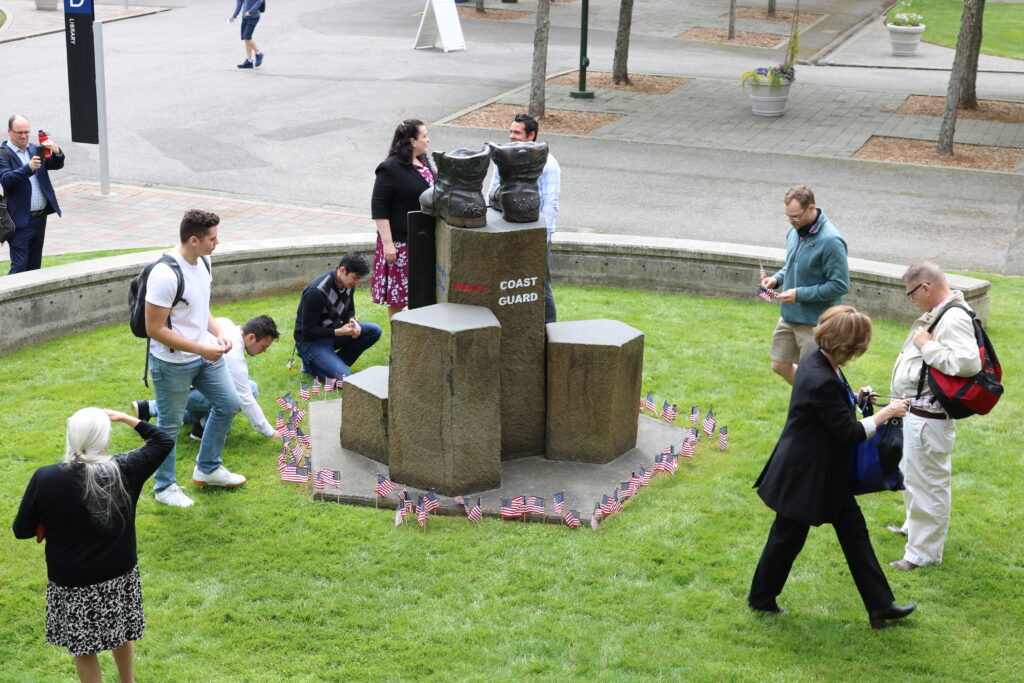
782	16
491	14
988	110
555	120
907	151
644	83
720	35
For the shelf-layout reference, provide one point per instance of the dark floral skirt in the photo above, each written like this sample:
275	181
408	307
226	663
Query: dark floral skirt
390	284
89	619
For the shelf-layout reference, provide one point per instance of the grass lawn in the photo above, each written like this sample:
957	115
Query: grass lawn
61	259
264	584
1002	25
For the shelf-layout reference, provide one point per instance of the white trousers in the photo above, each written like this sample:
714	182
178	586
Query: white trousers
927	445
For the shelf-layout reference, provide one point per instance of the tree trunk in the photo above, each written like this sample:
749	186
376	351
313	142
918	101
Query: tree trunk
732	19
480	6
968	95
794	37
540	59
620	72
970	21
771	9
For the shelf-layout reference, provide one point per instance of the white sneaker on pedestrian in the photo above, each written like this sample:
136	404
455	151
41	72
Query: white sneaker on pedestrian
174	496
219	477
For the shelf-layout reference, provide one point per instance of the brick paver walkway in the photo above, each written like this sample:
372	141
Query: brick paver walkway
132	217
25	21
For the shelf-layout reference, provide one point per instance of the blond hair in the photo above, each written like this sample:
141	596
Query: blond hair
843	332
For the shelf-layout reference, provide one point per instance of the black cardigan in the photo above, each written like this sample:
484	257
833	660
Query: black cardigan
78	553
396	192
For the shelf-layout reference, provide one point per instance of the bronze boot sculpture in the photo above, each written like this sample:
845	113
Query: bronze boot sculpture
456	195
519	165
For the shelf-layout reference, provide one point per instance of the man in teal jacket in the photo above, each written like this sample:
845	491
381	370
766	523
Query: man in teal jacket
815	277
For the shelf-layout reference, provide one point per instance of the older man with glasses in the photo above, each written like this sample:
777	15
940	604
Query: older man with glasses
815	276
928	432
24	168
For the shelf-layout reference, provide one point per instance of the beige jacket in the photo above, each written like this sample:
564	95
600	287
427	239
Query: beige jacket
952	349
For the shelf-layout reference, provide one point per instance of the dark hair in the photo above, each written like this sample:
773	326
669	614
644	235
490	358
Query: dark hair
400	145
262	326
354	262
196	223
529	124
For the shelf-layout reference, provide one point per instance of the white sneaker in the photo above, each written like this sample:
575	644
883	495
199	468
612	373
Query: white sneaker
174	496
219	477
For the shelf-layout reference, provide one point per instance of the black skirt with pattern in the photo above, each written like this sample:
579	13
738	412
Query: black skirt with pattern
89	619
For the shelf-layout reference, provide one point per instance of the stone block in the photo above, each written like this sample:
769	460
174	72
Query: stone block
444	422
364	413
502	266
595	368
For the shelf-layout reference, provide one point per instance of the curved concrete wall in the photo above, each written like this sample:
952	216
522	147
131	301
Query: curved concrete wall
53	302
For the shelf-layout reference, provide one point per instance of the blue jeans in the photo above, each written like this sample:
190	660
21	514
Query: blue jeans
171	384
335	356
197	408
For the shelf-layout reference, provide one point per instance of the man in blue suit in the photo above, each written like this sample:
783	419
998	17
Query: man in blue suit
25	179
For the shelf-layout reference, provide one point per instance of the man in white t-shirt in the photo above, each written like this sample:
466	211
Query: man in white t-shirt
181	357
250	339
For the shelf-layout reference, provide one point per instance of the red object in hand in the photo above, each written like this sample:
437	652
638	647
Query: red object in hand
43	137
40	532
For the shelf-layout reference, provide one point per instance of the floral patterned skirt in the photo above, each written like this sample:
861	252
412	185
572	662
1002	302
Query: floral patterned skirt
390	283
89	619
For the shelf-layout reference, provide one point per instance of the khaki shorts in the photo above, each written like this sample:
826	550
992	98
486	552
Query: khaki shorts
791	341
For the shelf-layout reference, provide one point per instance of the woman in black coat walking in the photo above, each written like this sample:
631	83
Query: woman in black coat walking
805	479
84	507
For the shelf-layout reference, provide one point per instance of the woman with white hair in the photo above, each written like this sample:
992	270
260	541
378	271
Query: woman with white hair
84	506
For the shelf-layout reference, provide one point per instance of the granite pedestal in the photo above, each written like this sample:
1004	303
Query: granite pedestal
364	424
595	368
502	267
444	430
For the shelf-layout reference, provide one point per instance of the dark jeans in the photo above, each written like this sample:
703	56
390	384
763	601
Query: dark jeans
786	539
27	245
335	356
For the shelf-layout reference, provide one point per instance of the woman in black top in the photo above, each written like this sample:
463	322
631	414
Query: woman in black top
84	507
805	479
401	179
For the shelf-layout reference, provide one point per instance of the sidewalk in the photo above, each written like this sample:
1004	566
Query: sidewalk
132	217
25	21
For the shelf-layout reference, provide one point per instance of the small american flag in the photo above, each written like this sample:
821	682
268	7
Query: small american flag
298	415
288	431
329	384
341	379
430	501
694	414
316	386
572	519
595	518
649	403
723	438
384	486
284	401
673	464
686	450
535	505
460	500
421	512
400	512
476	513
645	476
506	509
635	482
606	505
328	478
627	492
693	435
661	463
406	500
673	413
616	503
558	500
709	423
295	473
304	438
280	421
303	391
668	450
762	291
282	459
519	505
297	451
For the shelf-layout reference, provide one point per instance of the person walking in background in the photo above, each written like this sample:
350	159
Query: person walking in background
84	507
401	179
251	11
805	481
24	175
815	276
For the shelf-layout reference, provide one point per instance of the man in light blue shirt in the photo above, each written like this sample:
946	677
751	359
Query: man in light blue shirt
524	129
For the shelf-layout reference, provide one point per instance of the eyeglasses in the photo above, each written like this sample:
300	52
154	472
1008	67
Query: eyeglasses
21	132
910	294
797	217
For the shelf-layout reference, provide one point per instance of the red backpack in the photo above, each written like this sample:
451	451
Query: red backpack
962	397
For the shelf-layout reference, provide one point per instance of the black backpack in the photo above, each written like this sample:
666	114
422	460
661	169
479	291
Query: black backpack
137	300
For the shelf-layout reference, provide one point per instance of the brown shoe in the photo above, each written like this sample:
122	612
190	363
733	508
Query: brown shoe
896	529
905	565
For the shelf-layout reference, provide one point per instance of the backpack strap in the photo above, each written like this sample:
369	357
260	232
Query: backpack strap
931	328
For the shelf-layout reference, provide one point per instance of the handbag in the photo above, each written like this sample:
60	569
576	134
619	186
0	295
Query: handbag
875	462
6	222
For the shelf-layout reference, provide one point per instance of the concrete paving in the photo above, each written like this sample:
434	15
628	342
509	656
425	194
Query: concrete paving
308	128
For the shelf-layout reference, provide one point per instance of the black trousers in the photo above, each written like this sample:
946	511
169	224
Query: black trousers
786	540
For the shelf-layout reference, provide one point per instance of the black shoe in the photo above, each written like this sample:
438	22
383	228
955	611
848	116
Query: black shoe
197	431
879	617
140	409
770	609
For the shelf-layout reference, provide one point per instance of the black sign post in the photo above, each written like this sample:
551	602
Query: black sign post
78	36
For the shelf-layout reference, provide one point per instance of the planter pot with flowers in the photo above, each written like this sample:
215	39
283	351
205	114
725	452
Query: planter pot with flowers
768	87
905	29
